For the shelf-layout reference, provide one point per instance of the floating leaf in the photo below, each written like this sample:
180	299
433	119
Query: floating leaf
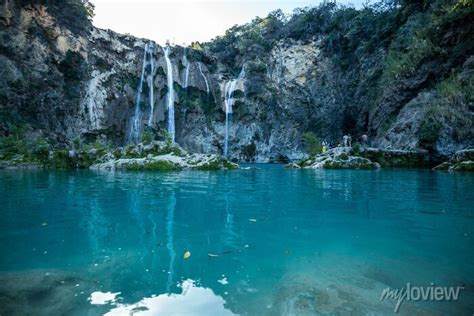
186	255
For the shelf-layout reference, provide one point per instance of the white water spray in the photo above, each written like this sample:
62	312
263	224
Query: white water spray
229	101
186	71
134	133
205	79
170	96
150	84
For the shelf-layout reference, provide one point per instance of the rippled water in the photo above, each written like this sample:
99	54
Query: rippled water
264	241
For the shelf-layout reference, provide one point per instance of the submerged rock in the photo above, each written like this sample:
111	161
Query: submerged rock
52	293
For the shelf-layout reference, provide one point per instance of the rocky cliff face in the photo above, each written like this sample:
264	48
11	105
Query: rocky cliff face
85	83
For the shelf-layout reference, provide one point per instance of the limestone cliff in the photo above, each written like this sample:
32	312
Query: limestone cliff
83	82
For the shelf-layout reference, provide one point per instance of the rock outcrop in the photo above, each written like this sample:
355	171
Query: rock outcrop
462	160
337	158
155	156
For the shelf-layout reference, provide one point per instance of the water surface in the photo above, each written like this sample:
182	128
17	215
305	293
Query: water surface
264	241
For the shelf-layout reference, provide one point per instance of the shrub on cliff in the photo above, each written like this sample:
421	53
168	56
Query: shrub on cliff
75	15
311	143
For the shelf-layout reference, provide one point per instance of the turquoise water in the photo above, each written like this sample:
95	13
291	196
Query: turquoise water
263	241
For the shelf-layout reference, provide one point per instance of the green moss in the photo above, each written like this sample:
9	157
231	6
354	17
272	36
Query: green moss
194	98
228	165
343	156
160	165
117	153
61	160
213	165
464	166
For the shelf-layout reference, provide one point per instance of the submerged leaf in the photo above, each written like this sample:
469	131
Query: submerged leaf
253	220
212	255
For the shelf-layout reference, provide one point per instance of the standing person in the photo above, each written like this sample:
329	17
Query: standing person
323	149
344	140
349	140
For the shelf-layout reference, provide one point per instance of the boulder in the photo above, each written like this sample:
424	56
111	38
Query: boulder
462	160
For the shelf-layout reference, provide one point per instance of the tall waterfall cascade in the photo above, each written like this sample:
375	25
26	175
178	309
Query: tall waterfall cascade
170	96
135	125
205	79
229	101
186	70
150	83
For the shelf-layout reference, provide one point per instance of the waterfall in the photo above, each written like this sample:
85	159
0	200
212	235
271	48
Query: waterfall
134	133
186	71
229	101
150	85
205	79
170	96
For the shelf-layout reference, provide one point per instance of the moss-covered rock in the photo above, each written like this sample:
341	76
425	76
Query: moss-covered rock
463	166
462	160
337	158
463	155
397	158
160	165
352	162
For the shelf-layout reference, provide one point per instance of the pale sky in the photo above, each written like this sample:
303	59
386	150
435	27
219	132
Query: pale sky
185	21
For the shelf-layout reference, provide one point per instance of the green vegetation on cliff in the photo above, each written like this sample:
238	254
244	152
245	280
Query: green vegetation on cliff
384	55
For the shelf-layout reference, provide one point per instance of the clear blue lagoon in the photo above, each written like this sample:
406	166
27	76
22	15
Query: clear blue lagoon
262	241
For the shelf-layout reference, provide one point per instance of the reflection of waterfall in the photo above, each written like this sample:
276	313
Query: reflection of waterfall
205	79
186	71
154	241
150	85
97	225
170	96
134	133
229	101
169	242
230	235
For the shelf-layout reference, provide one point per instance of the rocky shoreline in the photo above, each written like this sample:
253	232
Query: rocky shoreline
156	156
374	158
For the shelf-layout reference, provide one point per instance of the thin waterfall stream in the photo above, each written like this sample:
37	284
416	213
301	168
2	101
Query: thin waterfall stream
229	101
170	95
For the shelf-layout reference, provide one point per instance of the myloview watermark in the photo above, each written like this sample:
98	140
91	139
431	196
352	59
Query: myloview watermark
417	293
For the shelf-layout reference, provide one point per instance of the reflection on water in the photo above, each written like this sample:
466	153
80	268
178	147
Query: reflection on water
193	300
264	241
169	244
101	298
